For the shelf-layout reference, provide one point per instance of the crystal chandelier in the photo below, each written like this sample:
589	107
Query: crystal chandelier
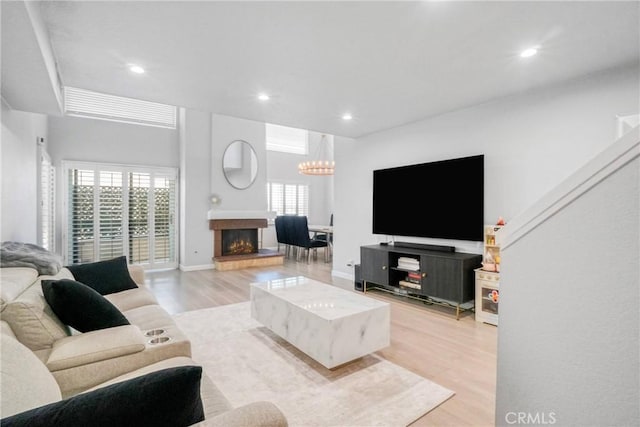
322	165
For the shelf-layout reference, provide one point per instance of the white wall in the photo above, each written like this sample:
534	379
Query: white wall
197	149
320	187
196	242
91	140
530	142
568	340
19	152
224	130
272	166
283	167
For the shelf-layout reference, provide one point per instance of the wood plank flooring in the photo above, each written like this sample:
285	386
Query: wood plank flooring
427	340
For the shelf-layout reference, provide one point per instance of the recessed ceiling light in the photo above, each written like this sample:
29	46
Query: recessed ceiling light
263	97
529	52
136	69
347	116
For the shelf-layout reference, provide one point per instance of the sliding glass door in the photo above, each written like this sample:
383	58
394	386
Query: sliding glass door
114	210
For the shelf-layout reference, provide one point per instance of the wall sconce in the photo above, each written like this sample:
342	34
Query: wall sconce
215	200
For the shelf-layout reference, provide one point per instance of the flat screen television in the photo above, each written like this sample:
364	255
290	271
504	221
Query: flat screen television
442	199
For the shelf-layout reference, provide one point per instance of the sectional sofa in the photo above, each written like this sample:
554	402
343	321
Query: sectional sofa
47	365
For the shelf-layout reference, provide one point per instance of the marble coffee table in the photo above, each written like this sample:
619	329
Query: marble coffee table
331	325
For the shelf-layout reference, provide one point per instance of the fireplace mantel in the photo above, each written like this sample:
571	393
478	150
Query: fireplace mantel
222	214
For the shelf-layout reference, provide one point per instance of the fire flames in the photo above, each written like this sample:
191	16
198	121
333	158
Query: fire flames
241	246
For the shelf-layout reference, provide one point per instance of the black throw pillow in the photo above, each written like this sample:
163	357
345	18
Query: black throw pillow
80	307
106	277
169	397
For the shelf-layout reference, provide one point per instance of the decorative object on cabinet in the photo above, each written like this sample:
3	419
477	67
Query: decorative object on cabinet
487	296
488	277
491	252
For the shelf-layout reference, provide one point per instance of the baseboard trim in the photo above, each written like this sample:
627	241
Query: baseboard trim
341	274
196	267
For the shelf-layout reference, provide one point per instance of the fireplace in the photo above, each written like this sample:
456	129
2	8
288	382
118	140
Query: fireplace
236	244
239	242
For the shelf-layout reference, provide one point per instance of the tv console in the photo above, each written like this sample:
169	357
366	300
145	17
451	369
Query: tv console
431	276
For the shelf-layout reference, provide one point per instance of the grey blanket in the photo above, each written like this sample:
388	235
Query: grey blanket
17	254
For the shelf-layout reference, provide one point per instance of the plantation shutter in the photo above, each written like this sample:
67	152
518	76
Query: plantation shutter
120	210
139	239
110	239
303	200
96	105
276	198
288	199
80	225
164	202
47	205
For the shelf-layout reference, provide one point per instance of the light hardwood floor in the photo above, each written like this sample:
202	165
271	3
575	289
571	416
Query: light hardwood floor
427	340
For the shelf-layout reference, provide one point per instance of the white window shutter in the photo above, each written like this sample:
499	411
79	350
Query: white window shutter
116	210
47	203
80	224
288	199
111	234
95	105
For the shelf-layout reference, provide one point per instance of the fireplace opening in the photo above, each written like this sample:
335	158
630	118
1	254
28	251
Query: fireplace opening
239	241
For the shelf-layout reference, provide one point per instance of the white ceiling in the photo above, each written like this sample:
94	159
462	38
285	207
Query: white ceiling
387	63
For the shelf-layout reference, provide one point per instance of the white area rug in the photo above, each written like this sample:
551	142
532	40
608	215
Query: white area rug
249	363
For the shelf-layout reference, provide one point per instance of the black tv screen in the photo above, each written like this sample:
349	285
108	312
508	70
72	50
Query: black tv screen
442	199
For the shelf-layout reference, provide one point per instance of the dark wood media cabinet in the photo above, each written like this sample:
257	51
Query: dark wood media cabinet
445	278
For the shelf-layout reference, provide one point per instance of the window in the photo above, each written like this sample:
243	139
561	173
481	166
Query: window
287	140
288	199
85	103
117	210
47	202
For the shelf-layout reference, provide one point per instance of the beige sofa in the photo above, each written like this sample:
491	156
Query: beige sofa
64	362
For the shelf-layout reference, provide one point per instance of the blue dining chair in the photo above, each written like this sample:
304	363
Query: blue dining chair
304	243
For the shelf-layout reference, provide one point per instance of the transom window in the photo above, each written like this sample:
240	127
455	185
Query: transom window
95	105
286	139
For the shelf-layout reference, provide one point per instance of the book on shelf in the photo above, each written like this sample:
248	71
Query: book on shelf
408	284
409	279
413	275
408	267
408	263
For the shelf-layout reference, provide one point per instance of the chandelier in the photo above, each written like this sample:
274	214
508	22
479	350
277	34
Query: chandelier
322	165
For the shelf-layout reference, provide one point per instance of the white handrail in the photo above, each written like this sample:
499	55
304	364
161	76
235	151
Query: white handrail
604	164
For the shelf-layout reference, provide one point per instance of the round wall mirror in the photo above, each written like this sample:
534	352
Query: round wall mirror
240	164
